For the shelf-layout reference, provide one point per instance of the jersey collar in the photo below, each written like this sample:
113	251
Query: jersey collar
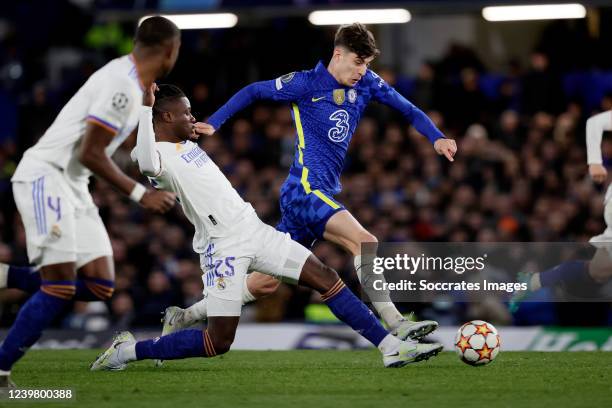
325	78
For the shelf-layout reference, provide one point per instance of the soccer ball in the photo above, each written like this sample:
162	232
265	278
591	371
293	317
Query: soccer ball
477	342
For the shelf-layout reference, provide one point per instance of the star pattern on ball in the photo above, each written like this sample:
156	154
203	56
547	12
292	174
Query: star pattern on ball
483	329
484	352
463	344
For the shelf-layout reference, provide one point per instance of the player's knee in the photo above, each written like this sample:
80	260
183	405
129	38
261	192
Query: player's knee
363	237
328	278
101	289
222	345
60	289
318	276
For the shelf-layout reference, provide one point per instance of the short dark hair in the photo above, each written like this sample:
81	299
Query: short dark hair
164	94
358	39
155	31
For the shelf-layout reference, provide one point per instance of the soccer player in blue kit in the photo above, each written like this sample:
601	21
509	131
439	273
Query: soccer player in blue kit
326	103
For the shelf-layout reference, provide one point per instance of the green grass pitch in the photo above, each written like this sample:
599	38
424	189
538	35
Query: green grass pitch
324	379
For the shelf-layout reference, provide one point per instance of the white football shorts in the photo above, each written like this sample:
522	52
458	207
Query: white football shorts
254	246
61	221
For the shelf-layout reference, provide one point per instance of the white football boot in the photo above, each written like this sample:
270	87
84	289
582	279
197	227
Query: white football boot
109	359
411	352
412	330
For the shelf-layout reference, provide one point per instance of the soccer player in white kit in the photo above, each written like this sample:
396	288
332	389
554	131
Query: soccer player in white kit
596	271
231	241
595	127
65	235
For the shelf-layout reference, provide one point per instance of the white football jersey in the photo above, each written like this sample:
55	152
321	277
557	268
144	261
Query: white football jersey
207	197
111	98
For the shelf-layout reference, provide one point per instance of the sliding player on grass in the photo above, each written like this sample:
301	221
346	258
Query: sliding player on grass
327	103
231	240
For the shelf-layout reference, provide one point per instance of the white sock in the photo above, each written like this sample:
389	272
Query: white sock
535	282
198	311
195	313
386	309
247	296
389	313
389	344
127	352
3	275
2	372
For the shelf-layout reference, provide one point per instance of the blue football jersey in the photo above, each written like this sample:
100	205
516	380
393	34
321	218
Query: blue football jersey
326	115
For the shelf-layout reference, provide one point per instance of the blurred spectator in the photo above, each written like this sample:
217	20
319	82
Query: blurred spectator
541	87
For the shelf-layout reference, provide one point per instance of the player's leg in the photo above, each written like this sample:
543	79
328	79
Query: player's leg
223	285
606	236
289	261
582	276
343	229
215	340
55	294
95	265
50	239
94	282
257	285
26	278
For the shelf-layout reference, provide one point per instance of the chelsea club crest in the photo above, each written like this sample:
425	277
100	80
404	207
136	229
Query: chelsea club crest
352	95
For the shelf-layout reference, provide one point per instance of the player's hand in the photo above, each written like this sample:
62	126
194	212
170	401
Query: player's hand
158	201
598	173
446	147
206	129
148	98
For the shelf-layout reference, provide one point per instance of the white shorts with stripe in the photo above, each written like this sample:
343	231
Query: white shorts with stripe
61	221
254	246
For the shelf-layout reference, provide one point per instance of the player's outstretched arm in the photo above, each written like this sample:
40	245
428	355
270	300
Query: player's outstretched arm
384	93
285	88
595	127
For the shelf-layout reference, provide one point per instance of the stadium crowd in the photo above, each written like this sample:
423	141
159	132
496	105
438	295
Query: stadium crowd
520	174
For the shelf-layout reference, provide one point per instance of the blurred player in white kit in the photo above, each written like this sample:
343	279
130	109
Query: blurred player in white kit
66	238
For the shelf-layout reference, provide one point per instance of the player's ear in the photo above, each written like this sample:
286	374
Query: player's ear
337	53
167	116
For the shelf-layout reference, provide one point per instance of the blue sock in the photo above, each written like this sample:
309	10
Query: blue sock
93	289
23	277
35	315
181	344
567	272
348	308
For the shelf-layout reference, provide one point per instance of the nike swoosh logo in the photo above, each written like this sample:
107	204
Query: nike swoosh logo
317	99
392	355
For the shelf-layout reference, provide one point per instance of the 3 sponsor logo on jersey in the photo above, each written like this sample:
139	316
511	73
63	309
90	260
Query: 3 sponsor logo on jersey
341	130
